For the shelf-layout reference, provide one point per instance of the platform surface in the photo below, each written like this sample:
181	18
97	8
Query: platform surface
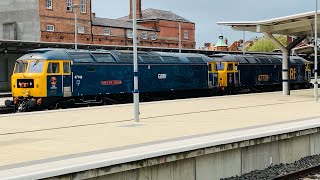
3	99
27	138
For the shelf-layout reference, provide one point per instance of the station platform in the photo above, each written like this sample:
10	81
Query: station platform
3	99
31	140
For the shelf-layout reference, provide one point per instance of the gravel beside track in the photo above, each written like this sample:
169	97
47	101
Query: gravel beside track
276	171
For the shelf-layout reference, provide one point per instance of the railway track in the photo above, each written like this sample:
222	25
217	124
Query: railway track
6	110
307	168
300	174
2	95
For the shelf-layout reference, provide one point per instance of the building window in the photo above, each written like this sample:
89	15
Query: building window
9	31
144	35
49	4
107	31
153	36
50	28
129	34
83	6
69	5
186	35
81	30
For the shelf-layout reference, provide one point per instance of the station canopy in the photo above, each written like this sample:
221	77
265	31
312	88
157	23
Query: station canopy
295	25
299	25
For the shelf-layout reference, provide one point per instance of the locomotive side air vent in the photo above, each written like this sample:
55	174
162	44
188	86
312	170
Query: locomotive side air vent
264	60
171	59
103	57
150	58
125	58
82	57
252	60
275	60
195	59
242	60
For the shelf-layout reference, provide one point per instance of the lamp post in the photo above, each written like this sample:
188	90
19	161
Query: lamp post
179	20
244	43
179	36
135	63
316	53
75	7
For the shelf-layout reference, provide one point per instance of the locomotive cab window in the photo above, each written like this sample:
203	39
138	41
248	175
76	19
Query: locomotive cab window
20	67
36	67
220	66
66	68
53	68
230	67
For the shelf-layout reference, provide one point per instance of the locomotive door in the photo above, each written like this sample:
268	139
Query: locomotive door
54	79
66	79
213	75
233	78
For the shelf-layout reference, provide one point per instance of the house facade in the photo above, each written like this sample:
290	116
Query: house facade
54	21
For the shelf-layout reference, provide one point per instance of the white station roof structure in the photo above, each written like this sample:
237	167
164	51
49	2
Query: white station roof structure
294	25
299	25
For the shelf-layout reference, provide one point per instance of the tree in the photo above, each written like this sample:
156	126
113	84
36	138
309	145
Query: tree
266	45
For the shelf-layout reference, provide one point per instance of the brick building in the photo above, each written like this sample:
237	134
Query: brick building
53	21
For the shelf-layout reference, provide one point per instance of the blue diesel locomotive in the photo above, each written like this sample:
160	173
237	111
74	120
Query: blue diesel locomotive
52	78
256	73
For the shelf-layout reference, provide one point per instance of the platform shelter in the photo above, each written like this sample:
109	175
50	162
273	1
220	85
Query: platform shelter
298	25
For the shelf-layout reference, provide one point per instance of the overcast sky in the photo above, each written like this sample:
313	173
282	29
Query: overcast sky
206	13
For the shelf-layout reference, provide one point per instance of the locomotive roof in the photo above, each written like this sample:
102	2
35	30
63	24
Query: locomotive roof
257	59
105	56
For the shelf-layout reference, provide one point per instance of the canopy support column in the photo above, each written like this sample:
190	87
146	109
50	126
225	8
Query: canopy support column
285	64
285	60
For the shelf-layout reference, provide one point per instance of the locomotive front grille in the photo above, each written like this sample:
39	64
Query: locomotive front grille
25	83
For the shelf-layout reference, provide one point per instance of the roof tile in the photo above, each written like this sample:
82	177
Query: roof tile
155	14
116	23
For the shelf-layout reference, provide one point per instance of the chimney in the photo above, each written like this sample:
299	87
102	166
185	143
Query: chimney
226	41
93	15
289	39
207	44
139	14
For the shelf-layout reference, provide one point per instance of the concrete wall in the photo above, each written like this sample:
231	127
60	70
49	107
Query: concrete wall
25	14
214	162
7	62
